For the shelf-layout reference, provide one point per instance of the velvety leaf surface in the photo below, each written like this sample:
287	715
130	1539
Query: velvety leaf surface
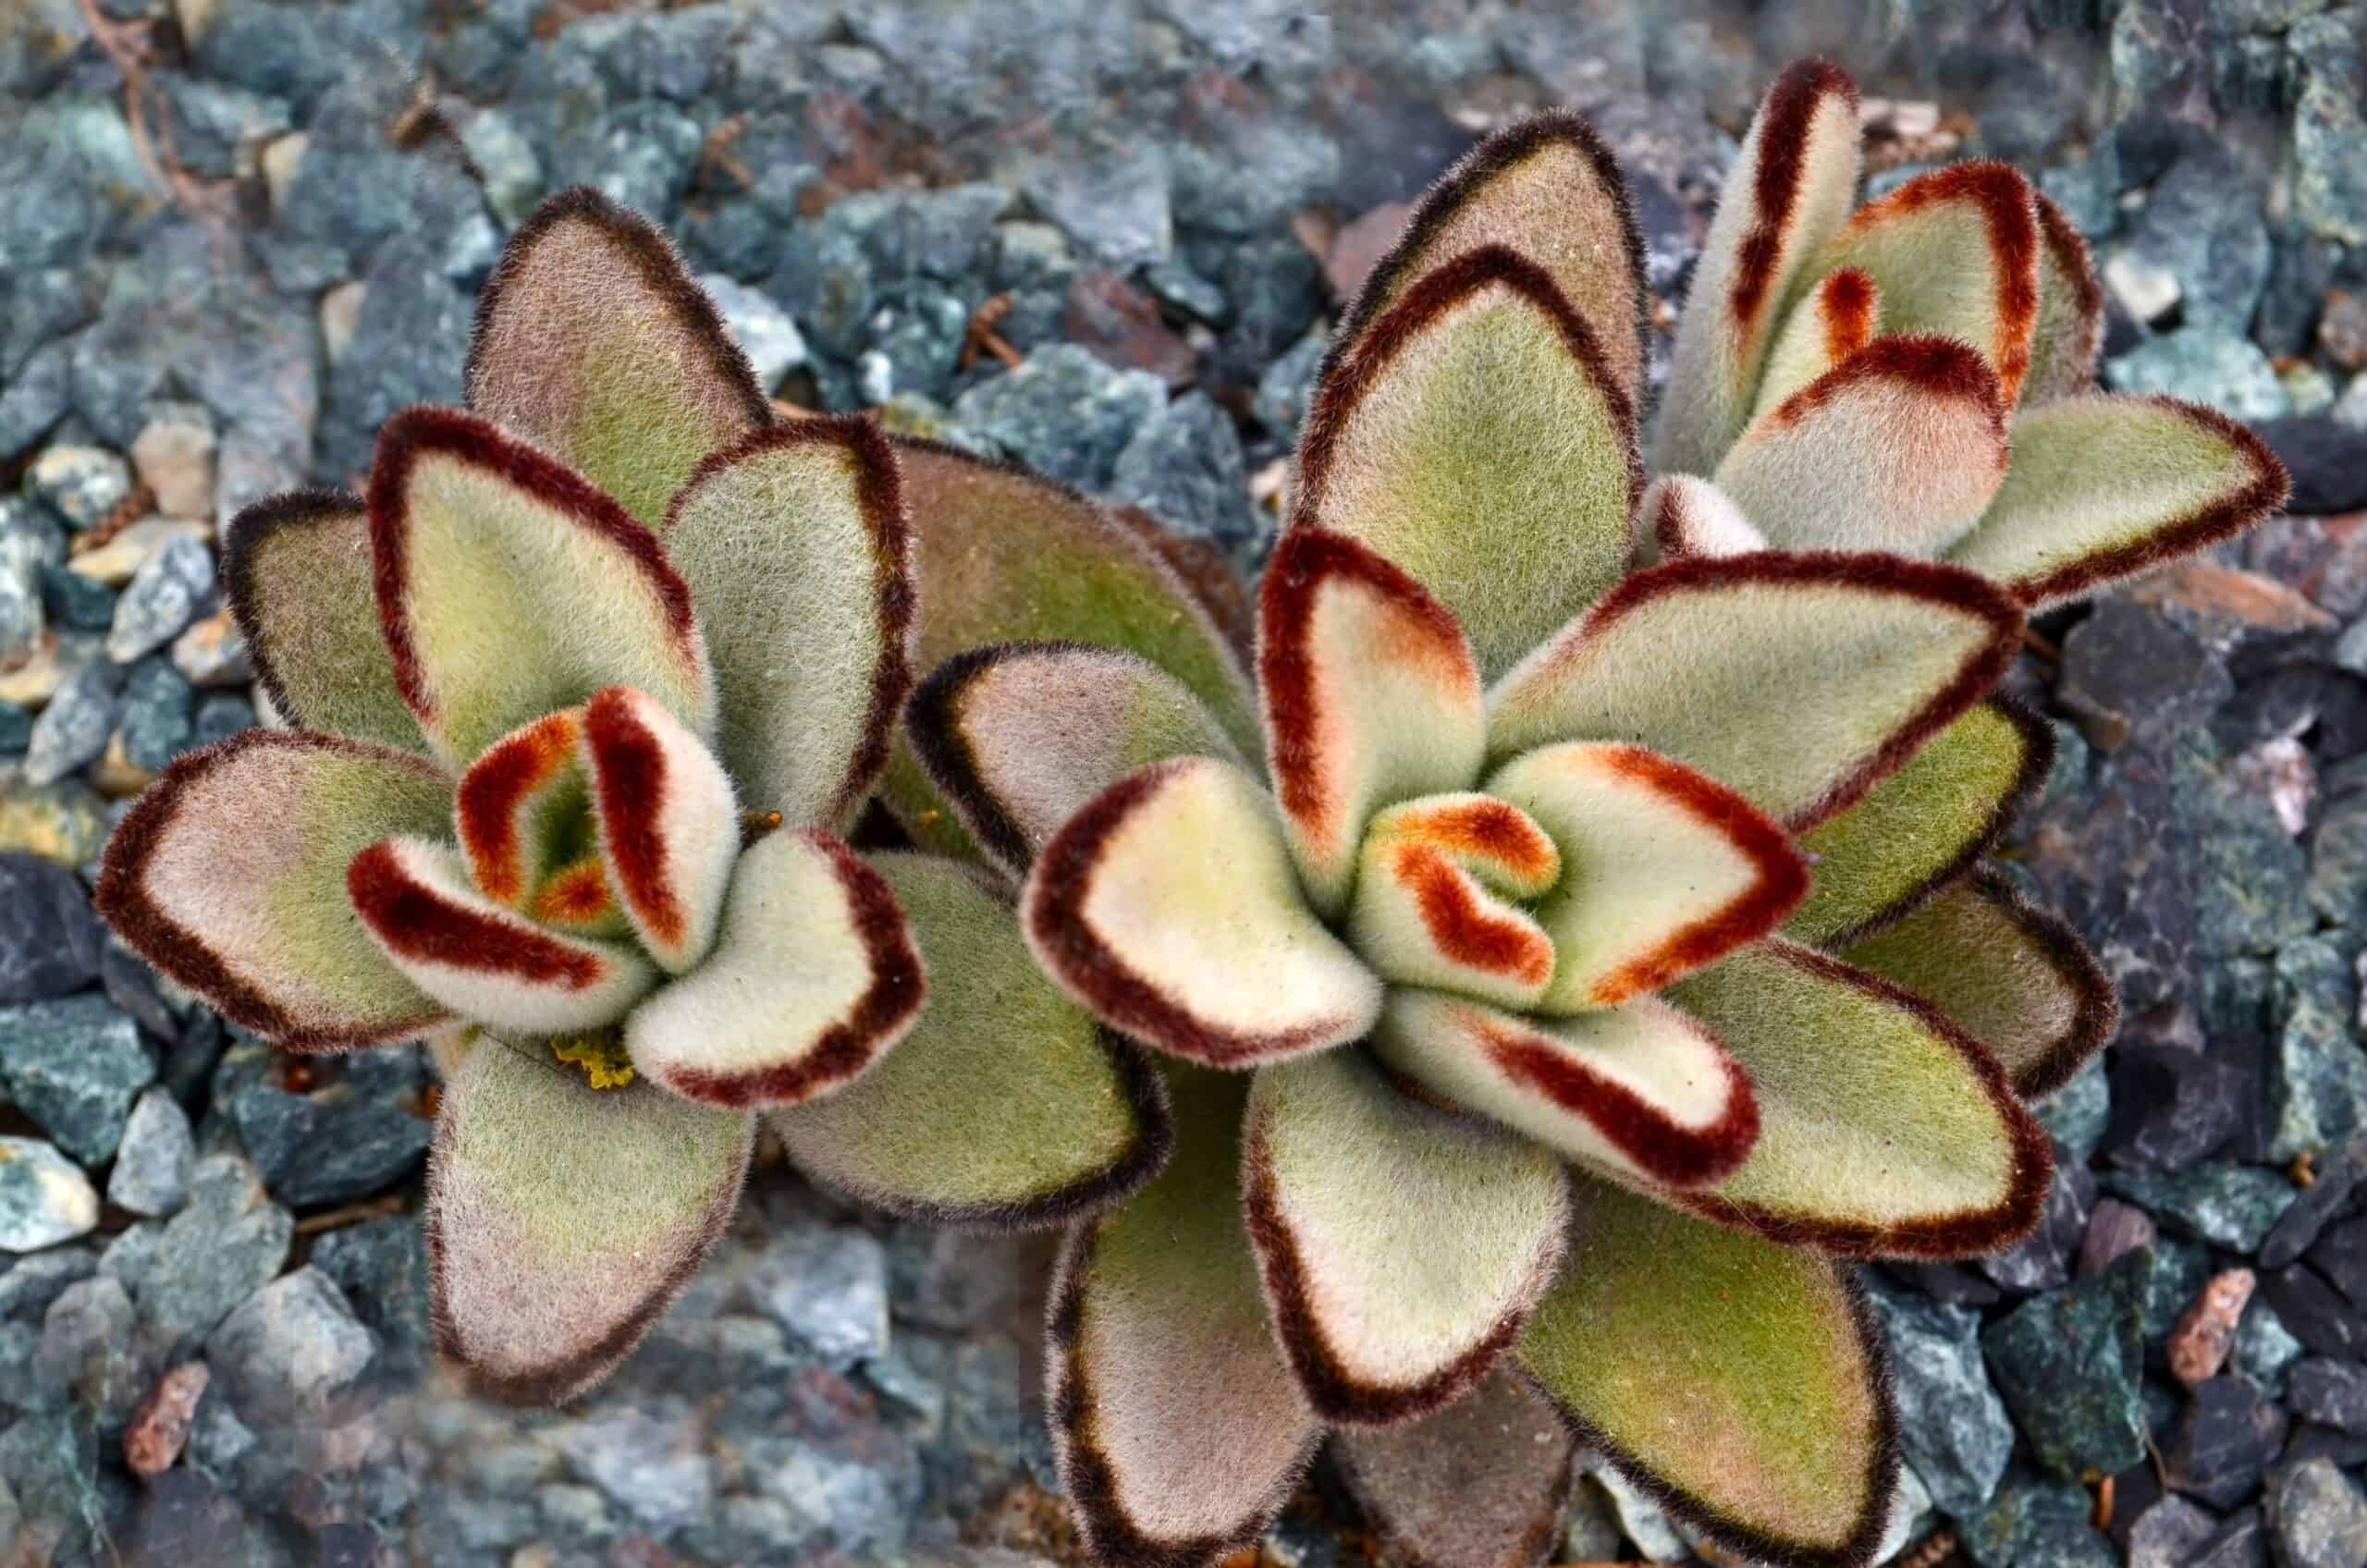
2071	330
1481	1484
297	572
2015	978
1741	1383
1434	898
1839	317
814	975
562	1219
1641	1092
668	825
1018	735
1169	907
519	811
1401	1245
1923	825
1179	1428
1800	681
229	875
795	544
2102	487
1006	1105
510	588
1884	1129
1681	516
1430	445
593	343
1791	185
1371	697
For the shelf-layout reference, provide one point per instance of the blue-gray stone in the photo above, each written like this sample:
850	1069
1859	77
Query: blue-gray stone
410	340
1063	413
82	484
762	329
1180	288
2317	1087
88	1354
37	397
226	1243
2202	222
1953	1427
2329	125
505	163
1113	200
50	943
32	544
642	156
2333	1393
2224	1440
28	1285
211	122
75	602
161	598
1185	467
2042	1260
75	1064
828	1286
655	1471
292	1347
917	334
1276	286
2318	1517
2265	1349
1287	386
219	716
154	1160
2076	1114
44	1197
73	729
2212	366
2251	877
2069	1366
2037	1522
325	1150
2229	1205
157	713
2339	847
2168	1533
381	1267
828	282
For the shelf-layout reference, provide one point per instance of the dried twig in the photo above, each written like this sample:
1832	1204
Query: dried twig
350	1214
981	337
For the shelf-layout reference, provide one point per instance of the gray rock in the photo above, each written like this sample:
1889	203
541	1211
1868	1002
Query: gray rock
30	545
2317	1085
219	716
505	163
2069	1364
292	1347
655	1471
82	484
2202	224
28	1285
1185	467
2168	1533
36	398
226	1244
161	598
50	940
2333	1393
1288	386
75	602
2042	1260
153	1161
66	822
1953	1427
2208	364
2231	1205
410	341
2329	127
917	337
44	1197
2318	1515
87	1351
2036	1521
763	329
1113	200
2222	1443
2265	1349
73	731
381	1267
158	708
75	1064
828	1286
323	1151
211	122
1063	413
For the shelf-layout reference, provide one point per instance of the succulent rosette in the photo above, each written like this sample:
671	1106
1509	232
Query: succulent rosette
581	697
1586	961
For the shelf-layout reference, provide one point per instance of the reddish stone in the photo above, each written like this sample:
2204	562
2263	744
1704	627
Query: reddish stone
1121	324
2199	1345
160	1426
1359	246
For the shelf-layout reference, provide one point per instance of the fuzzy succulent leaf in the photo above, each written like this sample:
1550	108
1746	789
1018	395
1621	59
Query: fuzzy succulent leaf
1168	906
229	877
592	342
1666	870
484	961
1545	186
2070	329
1424	445
1371	696
1740	1383
2105	487
2015	978
1799	681
669	824
1897	447
1401	1245
1018	735
814	975
1179	1427
1836	319
1641	1092
1682	515
1918	829
1884	1129
517	808
299	575
564	1220
798	555
1006	1106
510	588
1791	187
1481	1484
1434	898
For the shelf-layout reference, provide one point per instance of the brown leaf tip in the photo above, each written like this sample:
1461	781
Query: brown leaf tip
1784	119
1929	363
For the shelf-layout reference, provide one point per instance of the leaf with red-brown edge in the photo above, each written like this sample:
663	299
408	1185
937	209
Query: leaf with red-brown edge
1546	187
2105	487
2015	978
517	817
1005	556
668	825
228	875
564	1220
1018	735
2071	330
297	572
1898	447
1639	1092
799	557
1954	252
484	961
814	975
592	342
1371	696
1481	1484
1741	1385
1682	515
1839	317
1800	681
1791	187
1440	887
1479	440
1401	1245
508	587
1884	1129
1178	1430
1168	906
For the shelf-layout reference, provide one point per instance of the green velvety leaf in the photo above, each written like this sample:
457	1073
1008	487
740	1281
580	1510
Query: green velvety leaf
2016	978
1401	1245
229	875
1790	187
1178	1427
1007	1105
798	555
297	572
1831	323
593	343
1742	1384
2070	329
562	1219
510	588
1428	445
2102	487
1884	1130
1681	515
1923	825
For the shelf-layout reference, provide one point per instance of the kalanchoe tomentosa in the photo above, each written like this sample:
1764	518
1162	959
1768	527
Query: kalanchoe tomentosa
584	695
1606	948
